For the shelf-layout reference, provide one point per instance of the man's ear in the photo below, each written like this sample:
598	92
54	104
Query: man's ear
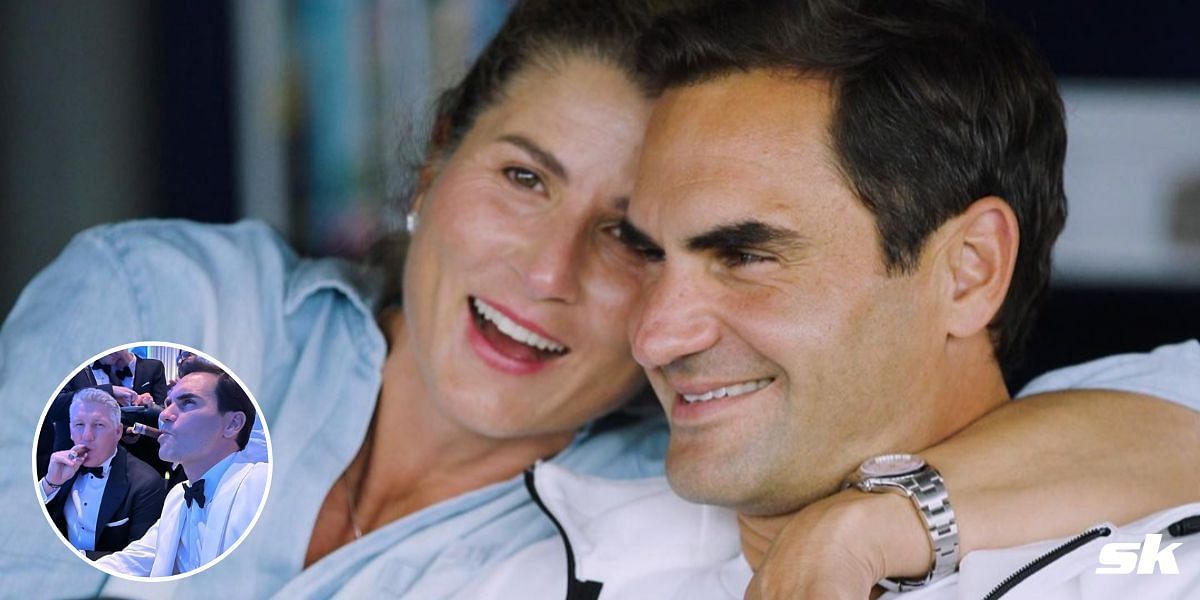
980	253
234	426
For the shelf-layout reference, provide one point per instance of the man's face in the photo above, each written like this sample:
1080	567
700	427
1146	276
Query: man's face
771	307
117	359
192	427
92	426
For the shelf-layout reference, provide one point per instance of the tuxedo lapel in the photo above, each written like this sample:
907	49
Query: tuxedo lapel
115	490
218	516
141	376
169	525
58	505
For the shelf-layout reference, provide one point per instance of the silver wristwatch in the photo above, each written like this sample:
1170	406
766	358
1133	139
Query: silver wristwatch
908	475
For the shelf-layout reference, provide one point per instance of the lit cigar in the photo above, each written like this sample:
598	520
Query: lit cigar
143	429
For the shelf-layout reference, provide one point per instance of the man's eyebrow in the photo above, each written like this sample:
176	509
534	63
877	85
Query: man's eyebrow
185	395
746	234
539	154
637	240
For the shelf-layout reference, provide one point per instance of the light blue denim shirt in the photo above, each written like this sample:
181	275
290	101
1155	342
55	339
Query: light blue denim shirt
302	335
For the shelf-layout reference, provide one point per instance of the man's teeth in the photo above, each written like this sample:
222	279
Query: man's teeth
729	391
514	331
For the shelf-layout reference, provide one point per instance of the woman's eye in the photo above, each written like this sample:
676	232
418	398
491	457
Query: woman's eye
524	178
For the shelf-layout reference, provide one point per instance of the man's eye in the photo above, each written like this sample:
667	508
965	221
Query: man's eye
524	178
739	258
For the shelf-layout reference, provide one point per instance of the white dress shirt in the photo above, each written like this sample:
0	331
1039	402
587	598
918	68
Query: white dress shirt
83	506
103	378
195	519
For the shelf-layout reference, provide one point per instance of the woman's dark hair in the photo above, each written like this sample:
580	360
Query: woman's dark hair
536	32
936	104
230	396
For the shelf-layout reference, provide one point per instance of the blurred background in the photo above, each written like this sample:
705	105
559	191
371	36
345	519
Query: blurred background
309	114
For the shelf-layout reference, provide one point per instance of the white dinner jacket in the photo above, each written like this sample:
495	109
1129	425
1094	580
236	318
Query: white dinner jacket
232	510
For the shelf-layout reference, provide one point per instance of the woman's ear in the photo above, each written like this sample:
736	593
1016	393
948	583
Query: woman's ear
981	255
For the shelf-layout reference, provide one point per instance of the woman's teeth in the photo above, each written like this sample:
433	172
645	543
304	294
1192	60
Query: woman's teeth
728	391
509	328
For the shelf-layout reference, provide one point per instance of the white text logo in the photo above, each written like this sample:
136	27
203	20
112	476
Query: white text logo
1123	557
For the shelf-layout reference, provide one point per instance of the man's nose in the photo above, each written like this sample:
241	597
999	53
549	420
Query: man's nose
673	320
88	434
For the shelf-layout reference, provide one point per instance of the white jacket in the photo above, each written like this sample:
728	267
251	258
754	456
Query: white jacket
635	539
1066	569
234	506
619	539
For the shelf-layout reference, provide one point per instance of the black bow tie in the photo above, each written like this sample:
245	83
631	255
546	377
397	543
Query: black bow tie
122	374
194	492
97	472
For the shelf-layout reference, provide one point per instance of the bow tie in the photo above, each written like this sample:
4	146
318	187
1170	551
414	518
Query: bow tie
97	472
194	492
123	373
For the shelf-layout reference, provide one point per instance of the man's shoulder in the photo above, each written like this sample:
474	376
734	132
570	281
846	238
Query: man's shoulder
153	363
247	478
138	472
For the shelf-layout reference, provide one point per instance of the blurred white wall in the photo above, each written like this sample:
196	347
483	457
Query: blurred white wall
1133	183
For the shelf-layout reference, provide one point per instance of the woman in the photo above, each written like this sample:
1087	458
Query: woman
399	446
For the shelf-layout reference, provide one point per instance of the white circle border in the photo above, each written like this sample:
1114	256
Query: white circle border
261	504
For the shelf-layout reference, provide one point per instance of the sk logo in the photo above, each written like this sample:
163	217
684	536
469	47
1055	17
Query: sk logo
1123	557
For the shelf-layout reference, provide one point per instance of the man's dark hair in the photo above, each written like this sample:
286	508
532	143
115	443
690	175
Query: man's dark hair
230	396
936	104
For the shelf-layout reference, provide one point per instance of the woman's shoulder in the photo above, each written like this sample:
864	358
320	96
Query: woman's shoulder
224	289
174	244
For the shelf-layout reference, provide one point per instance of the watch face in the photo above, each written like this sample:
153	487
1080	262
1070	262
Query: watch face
891	465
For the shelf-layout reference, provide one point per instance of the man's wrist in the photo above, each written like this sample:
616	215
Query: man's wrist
904	550
908	476
48	490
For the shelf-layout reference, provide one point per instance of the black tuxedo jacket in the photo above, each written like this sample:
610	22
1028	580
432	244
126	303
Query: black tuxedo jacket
132	502
150	377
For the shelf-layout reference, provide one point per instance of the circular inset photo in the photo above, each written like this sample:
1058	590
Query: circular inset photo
152	461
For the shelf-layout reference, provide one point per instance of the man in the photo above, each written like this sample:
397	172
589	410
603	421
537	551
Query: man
132	381
146	377
99	496
206	422
144	382
850	208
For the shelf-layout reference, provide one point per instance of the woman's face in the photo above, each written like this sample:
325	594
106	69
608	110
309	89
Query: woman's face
517	289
